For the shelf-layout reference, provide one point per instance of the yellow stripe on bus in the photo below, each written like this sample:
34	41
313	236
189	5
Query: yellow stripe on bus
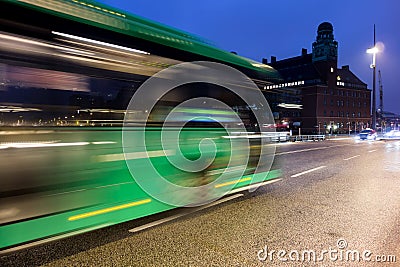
102	211
233	182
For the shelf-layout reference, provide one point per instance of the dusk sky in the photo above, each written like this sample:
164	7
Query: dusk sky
260	28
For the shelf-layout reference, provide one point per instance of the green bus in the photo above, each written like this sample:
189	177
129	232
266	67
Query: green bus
68	72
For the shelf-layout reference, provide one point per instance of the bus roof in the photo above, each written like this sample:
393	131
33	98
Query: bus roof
102	16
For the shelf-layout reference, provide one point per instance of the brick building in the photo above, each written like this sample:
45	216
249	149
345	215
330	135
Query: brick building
324	98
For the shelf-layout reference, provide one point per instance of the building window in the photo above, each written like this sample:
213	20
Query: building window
324	113
331	113
340	83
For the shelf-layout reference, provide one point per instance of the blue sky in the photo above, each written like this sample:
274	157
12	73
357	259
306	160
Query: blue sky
261	28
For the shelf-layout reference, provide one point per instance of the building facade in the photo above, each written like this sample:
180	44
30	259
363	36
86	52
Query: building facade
324	98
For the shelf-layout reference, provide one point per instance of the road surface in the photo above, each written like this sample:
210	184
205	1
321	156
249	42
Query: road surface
338	204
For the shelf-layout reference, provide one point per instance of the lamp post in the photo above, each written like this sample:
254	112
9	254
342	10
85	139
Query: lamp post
374	50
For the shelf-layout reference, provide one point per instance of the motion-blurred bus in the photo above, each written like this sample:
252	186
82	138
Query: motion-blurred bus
68	71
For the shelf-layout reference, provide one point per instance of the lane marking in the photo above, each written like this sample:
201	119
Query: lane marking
308	149
301	150
107	210
174	217
254	186
372	150
311	149
305	172
341	145
356	156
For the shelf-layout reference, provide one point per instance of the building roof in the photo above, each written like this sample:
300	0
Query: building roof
297	68
347	76
302	68
325	26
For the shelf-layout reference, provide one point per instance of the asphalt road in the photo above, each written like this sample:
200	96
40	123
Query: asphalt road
337	200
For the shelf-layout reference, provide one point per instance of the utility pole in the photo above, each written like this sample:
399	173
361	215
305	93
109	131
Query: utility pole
380	91
374	88
381	118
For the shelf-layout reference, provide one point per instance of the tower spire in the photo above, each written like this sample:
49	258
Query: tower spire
325	47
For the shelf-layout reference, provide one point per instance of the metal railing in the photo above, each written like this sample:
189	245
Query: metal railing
313	137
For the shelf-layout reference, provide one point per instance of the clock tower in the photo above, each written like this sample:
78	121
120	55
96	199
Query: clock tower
325	47
325	53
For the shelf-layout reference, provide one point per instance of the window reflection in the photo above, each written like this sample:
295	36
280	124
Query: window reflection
40	97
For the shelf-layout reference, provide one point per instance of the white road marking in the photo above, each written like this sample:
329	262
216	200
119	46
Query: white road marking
339	138
301	150
356	156
309	149
372	151
305	172
192	210
252	186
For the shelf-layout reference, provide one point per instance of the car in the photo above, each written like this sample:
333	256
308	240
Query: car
368	134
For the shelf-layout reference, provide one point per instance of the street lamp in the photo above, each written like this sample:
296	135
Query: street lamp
374	50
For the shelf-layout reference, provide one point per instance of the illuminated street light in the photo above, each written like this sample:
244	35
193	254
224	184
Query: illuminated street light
374	50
